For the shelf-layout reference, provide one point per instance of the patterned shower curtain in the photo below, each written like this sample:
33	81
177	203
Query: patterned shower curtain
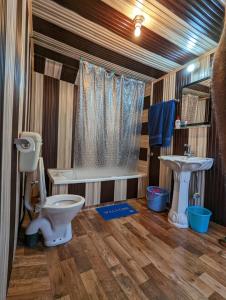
108	119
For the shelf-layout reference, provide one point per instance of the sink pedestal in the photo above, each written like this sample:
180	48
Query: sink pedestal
182	167
177	215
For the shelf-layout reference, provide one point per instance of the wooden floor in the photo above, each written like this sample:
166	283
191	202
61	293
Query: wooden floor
137	257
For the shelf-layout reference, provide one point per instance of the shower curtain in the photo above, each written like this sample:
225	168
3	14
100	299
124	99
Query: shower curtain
108	120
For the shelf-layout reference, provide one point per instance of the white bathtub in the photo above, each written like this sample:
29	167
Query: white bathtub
70	176
98	186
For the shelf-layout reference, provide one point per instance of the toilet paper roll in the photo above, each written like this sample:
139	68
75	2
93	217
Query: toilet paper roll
24	148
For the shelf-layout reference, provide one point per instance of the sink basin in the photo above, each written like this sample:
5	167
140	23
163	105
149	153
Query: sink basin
186	163
182	167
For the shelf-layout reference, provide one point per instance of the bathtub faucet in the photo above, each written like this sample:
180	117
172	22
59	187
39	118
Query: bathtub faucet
187	151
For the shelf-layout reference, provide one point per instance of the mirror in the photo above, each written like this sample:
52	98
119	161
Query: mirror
196	103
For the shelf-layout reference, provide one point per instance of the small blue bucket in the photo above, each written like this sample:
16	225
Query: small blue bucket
157	198
199	218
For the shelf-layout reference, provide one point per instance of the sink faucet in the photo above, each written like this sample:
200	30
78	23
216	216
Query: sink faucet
187	151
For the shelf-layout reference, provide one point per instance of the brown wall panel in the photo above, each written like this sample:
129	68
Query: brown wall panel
144	128
107	191
77	189
143	155
132	188
215	186
180	138
157	92
154	166
39	64
28	74
182	78
68	74
50	121
146	102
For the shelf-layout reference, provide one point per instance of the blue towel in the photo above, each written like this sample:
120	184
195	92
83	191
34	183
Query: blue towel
155	124
161	119
168	122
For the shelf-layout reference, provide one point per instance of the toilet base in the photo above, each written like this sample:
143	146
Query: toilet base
62	234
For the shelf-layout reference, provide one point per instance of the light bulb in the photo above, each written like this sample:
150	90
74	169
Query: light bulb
137	31
138	20
191	68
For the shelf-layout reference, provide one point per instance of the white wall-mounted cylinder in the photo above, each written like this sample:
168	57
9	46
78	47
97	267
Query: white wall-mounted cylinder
29	156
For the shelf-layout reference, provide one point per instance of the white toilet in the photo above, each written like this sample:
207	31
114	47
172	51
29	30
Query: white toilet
60	210
55	212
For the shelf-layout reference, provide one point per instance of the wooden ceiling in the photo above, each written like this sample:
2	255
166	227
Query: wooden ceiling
102	32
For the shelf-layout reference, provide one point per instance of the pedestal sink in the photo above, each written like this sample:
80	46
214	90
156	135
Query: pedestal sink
182	167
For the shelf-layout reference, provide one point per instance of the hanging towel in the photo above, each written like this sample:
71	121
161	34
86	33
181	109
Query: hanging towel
155	124
161	119
169	108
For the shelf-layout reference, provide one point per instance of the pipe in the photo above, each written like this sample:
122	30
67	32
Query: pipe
43	224
27	195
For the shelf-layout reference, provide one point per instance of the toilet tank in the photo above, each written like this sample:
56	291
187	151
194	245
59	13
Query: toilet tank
28	160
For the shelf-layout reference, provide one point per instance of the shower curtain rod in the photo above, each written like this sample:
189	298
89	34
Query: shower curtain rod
112	70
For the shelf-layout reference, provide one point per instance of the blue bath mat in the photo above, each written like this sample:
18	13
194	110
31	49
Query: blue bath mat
116	211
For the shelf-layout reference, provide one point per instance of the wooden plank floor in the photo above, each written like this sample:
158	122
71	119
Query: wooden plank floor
137	257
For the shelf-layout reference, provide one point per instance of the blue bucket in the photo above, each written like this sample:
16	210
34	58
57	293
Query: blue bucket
199	218
157	198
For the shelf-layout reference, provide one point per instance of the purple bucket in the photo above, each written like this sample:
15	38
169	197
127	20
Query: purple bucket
157	198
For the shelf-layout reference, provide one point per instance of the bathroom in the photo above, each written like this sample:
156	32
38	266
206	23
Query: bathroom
88	87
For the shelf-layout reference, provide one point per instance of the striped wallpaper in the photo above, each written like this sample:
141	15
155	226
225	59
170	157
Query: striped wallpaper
55	65
52	105
143	163
52	115
15	63
203	140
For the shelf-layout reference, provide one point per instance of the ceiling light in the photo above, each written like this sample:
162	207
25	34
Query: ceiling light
194	66
191	68
138	20
137	31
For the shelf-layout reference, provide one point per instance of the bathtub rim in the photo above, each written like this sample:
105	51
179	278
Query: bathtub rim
60	181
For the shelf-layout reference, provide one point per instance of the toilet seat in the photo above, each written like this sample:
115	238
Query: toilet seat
63	201
56	203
